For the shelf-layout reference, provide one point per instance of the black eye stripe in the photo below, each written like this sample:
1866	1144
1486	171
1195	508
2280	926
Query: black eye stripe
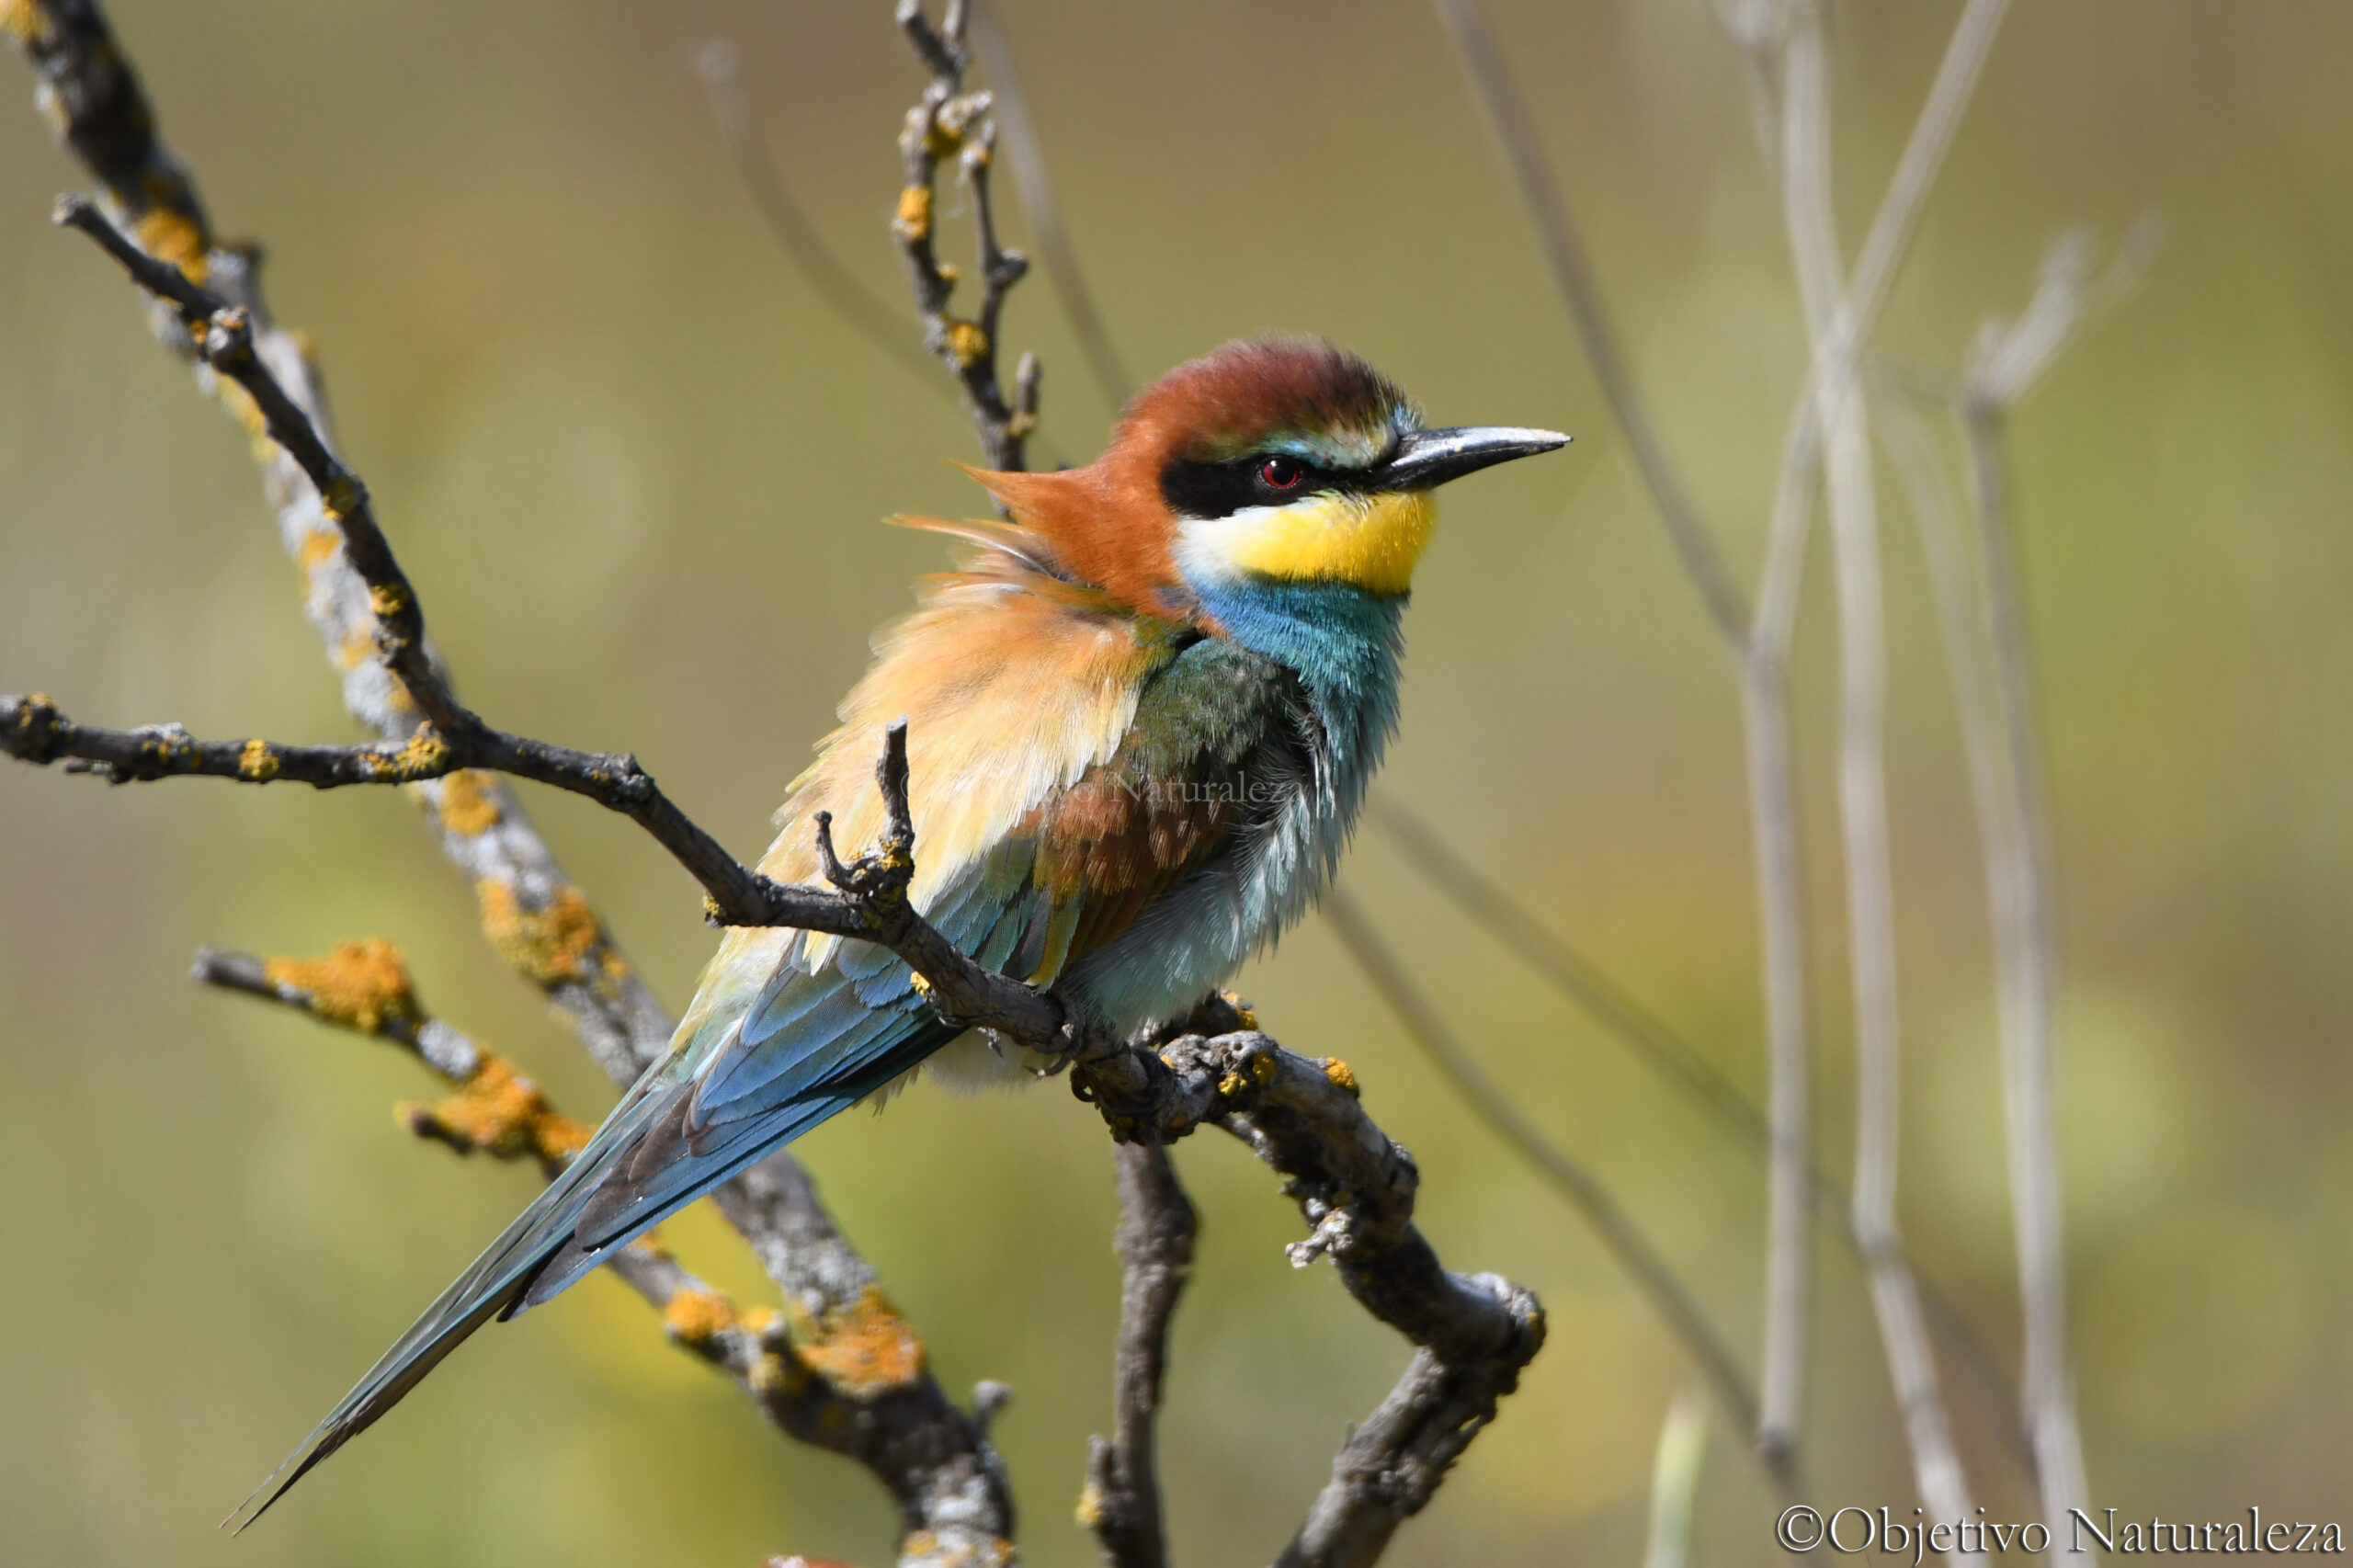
1220	490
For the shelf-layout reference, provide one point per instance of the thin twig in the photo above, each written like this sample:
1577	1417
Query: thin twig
1760	642
1987	651
1650	1272
1861	768
1122	1504
949	122
1674	1483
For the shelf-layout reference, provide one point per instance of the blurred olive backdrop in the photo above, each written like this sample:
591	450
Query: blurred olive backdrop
636	470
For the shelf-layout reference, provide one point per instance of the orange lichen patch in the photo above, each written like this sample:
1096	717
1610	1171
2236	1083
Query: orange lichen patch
247	414
386	599
499	1112
318	547
697	1317
168	234
362	985
257	762
358	646
550	946
966	341
913	221
1242	1009
1265	1069
1341	1075
467	806
865	1349
946	134
925	1547
22	21
1231	1085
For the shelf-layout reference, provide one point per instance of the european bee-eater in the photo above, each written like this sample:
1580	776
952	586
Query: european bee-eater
1141	717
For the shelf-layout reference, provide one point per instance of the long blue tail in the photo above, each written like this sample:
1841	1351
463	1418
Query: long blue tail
491	1284
652	1157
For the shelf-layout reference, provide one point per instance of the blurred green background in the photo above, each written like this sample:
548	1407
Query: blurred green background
636	471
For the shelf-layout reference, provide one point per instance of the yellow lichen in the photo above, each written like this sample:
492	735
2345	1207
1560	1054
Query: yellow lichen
22	21
362	985
865	1349
1242	1009
697	1317
499	1112
925	1546
168	234
1090	1506
913	221
966	341
387	599
550	946
318	547
424	754
1231	1085
358	646
256	762
467	808
1340	1075
946	133
1265	1068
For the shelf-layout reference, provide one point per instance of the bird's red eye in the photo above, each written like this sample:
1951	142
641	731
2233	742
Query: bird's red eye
1278	473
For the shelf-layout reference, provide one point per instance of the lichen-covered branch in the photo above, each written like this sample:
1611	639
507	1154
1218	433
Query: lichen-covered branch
536	915
365	986
837	1366
540	921
948	122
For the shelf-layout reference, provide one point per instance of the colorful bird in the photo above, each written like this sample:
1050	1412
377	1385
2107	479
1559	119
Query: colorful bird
1140	719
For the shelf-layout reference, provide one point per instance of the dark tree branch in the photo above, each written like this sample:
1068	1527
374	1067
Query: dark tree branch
1121	1504
1355	1187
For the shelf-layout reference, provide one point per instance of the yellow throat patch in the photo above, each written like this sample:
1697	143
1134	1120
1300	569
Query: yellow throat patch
1371	541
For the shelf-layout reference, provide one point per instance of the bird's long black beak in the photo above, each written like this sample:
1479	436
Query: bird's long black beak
1427	457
